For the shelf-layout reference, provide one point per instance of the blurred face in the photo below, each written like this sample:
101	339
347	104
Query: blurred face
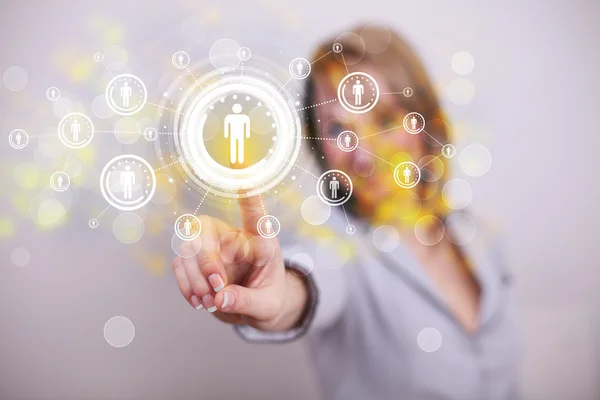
383	143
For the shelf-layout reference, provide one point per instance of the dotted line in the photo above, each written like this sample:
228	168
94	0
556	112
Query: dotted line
284	85
316	138
191	74
168	165
262	204
164	108
316	105
139	133
307	171
202	201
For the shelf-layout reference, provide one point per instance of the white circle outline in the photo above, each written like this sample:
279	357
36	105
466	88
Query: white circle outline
323	198
239	52
109	99
10	135
57	189
227	182
48	93
403	185
115	204
450	146
153	137
98	57
66	141
350	229
185	54
405	123
104	331
291	69
91	223
334	47
259	227
342	100
182	237
408	91
338	140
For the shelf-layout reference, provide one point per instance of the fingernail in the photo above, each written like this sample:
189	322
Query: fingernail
216	282
196	302
209	303
228	300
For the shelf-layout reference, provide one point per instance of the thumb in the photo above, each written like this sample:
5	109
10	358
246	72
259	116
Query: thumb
260	304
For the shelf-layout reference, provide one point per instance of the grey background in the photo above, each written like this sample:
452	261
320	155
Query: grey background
535	107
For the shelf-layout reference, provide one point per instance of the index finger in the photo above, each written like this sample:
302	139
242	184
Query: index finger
252	209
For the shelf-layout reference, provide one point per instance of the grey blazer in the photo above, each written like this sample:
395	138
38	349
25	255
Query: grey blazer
378	328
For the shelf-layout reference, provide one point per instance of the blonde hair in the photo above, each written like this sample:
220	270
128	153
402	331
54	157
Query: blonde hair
399	65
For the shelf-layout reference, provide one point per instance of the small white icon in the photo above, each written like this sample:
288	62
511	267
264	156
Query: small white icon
60	181
75	130
53	94
351	229
407	174
407	92
98	57
358	92
18	139
347	141
126	94
300	68
150	134
244	54
268	226
93	223
128	182
413	123
334	187
448	150
188	227
337	48
181	60
237	128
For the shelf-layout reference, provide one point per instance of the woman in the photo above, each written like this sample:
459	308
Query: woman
421	319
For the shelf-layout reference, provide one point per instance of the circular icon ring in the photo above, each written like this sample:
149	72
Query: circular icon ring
334	187
76	130
93	223
53	93
337	48
126	94
358	92
413	123
350	229
188	227
244	54
268	226
300	68
407	92
181	60
150	134
18	139
407	175
60	181
448	150
128	182
347	141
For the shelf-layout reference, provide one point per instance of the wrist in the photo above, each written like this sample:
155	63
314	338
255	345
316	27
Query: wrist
295	301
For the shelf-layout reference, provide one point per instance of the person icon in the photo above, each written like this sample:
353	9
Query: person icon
358	90
59	181
243	54
413	123
18	138
299	68
347	140
180	59
126	94
268	226
75	129
127	179
237	127
334	185
53	94
407	173
187	227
